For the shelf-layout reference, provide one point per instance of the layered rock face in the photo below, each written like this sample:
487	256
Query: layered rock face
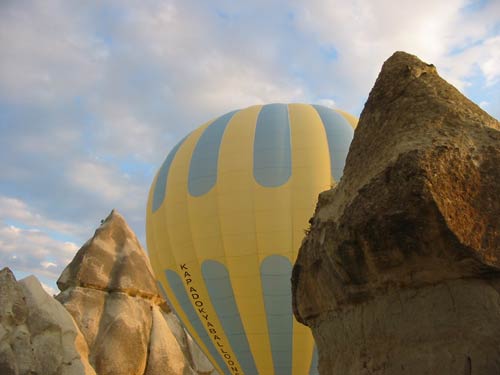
400	272
110	291
37	335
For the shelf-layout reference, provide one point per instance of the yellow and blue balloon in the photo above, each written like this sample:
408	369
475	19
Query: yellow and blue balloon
226	215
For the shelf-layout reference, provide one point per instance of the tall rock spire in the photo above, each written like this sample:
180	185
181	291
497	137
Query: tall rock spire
400	272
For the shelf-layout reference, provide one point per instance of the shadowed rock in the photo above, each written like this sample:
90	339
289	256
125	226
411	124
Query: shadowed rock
400	271
37	335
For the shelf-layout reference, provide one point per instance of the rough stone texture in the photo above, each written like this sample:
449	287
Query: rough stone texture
197	359
110	261
164	349
16	356
37	335
110	291
400	271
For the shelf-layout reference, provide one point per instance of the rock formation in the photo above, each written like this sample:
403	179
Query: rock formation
196	358
400	272
110	290
37	335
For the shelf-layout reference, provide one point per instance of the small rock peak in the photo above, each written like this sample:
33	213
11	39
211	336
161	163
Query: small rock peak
405	76
111	215
115	222
6	274
113	260
401	60
404	58
12	304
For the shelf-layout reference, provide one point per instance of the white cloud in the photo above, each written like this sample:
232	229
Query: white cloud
229	83
124	135
34	251
32	243
97	179
13	209
205	70
456	39
490	66
328	103
43	45
47	265
104	182
155	68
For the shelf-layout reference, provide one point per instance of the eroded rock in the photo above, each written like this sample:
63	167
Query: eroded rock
164	349
37	335
110	262
197	359
110	290
400	271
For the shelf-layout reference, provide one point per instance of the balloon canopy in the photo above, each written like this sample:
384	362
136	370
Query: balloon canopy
226	215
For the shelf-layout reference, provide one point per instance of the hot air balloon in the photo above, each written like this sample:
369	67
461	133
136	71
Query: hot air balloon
226	215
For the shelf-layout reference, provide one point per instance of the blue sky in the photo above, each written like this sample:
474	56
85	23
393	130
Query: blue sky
94	94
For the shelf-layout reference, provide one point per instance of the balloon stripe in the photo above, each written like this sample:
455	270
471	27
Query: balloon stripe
272	148
236	208
353	121
310	175
189	220
180	293
276	271
161	181
339	133
203	167
314	362
222	297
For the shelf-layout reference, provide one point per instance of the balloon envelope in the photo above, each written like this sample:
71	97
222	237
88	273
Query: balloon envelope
226	215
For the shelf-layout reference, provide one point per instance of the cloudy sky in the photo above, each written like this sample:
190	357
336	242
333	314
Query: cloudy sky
93	94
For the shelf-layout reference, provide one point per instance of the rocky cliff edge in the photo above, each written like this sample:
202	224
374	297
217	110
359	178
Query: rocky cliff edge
400	271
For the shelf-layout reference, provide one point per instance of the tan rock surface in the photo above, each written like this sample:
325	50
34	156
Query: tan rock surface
110	290
197	359
399	273
165	354
37	335
110	262
16	356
